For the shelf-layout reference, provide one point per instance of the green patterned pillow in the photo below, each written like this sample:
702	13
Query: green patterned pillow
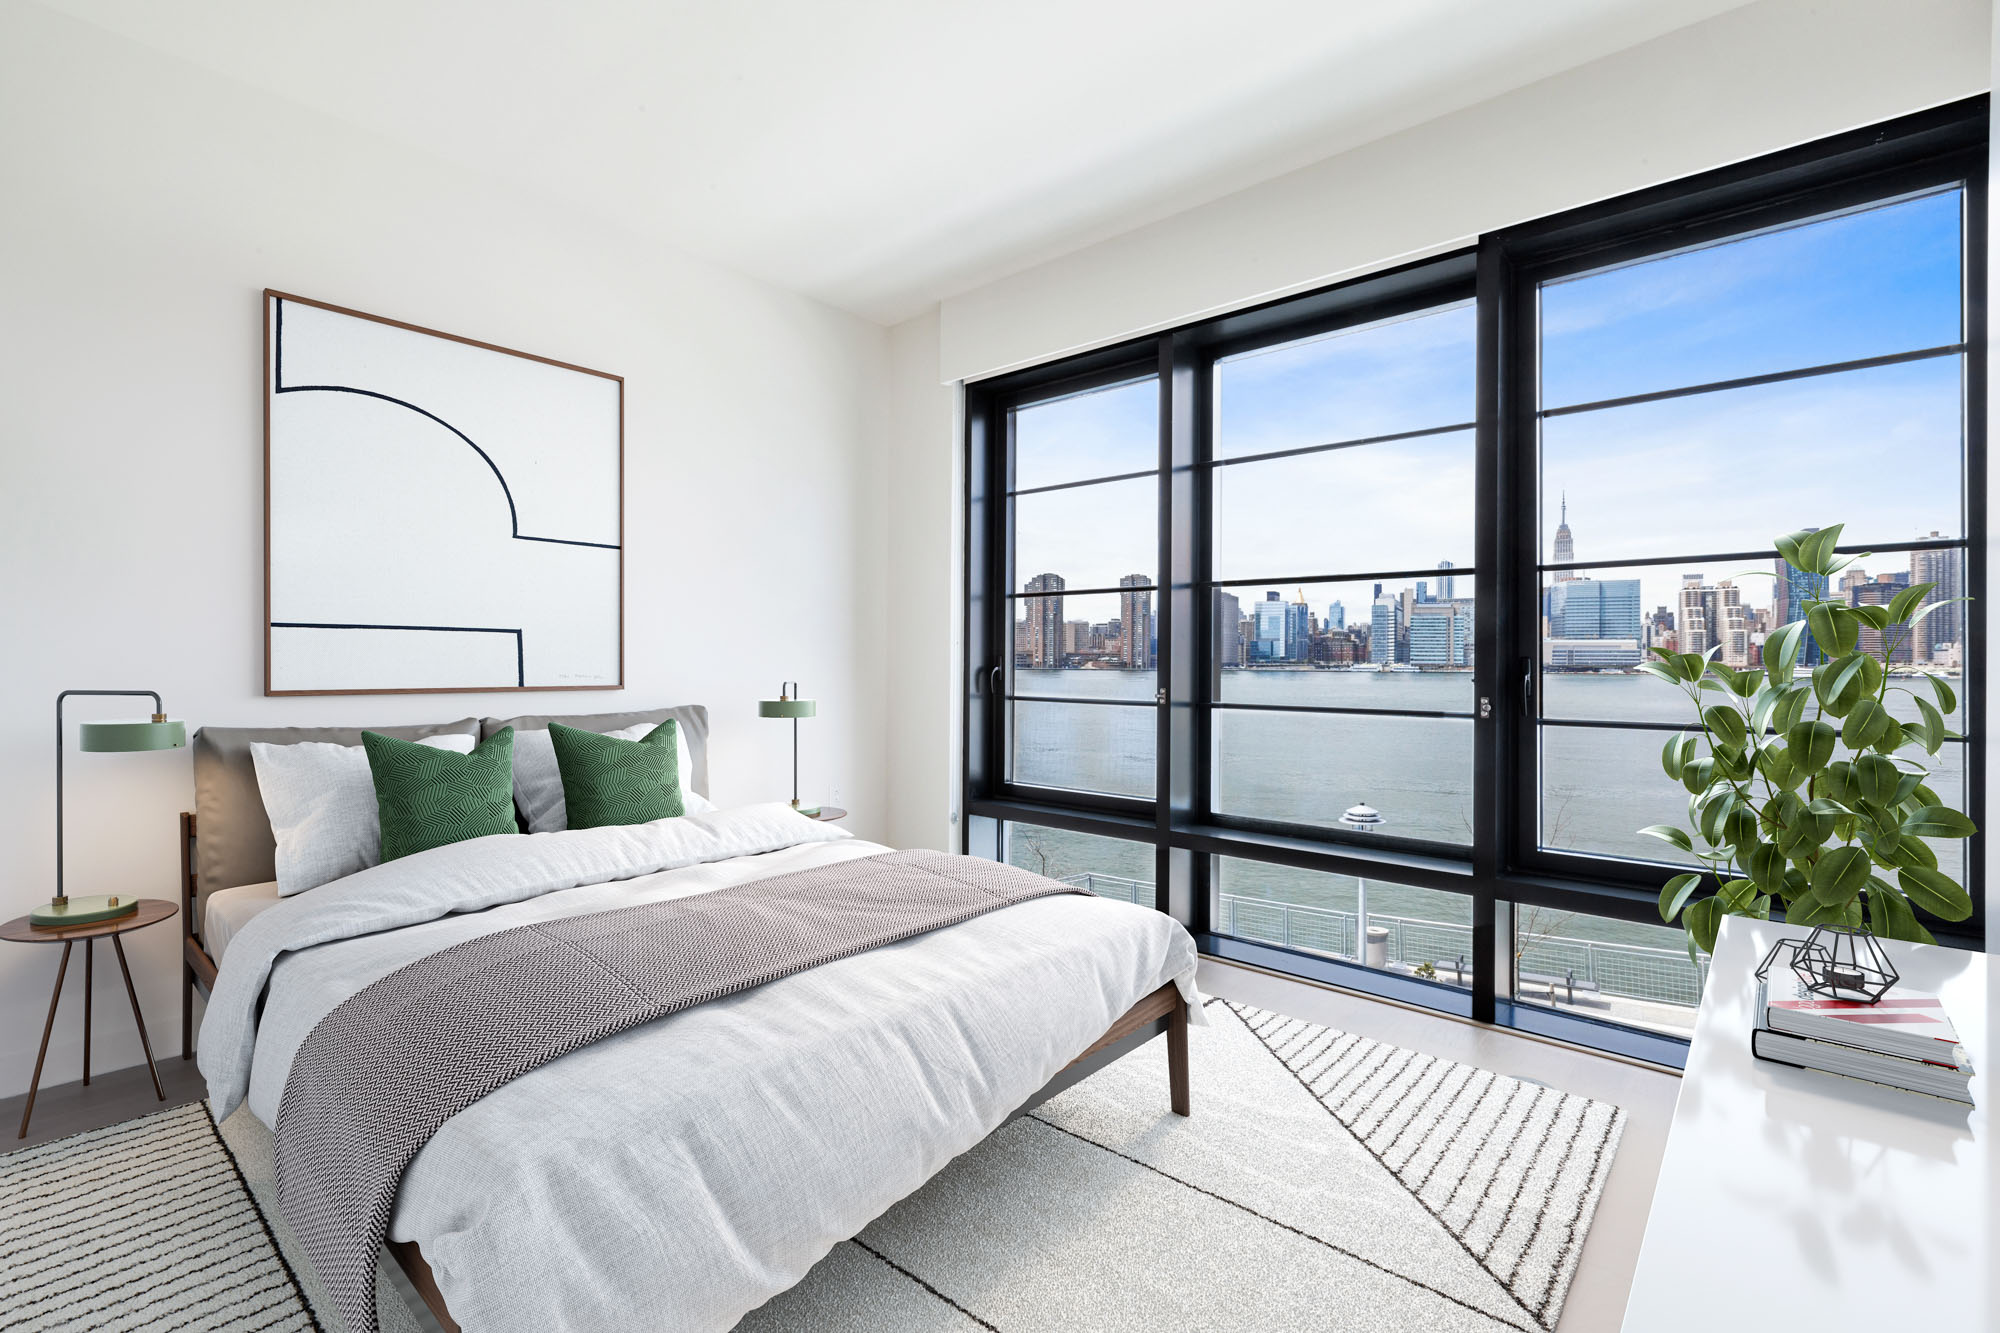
430	797
611	781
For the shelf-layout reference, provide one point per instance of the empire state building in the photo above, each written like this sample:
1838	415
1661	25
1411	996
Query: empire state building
1565	546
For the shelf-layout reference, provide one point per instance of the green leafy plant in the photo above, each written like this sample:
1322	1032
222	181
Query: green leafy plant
1804	792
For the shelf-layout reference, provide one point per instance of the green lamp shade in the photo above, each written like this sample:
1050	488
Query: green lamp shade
785	707
144	734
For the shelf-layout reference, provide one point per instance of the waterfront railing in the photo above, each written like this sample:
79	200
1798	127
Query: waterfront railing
1632	971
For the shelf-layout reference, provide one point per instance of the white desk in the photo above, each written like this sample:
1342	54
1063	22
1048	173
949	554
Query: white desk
1795	1200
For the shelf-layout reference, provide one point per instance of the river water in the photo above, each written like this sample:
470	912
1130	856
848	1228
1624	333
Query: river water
1600	785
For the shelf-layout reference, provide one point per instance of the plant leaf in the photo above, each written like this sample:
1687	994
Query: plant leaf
1676	893
1775	763
1906	601
1936	892
1934	728
1668	833
1873	615
1766	866
1702	919
1876	779
1791	707
1781	652
1890	917
1835	633
1670	758
1810	745
1947	701
1939	821
1864	724
1839	874
1817	548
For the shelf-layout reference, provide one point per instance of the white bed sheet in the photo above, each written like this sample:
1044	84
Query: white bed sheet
229	910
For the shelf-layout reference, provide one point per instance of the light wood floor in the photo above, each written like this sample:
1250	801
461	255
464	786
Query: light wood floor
1604	1275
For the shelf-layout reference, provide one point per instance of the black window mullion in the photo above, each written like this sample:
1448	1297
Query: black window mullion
1493	621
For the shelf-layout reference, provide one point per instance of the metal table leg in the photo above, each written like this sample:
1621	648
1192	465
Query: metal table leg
48	1025
138	1018
89	956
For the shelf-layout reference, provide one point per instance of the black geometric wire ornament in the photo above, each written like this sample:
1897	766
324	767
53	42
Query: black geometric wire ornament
1837	964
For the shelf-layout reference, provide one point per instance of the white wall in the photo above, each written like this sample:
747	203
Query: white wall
1751	81
922	485
147	205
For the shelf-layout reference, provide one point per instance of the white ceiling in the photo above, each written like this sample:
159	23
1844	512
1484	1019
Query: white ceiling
882	154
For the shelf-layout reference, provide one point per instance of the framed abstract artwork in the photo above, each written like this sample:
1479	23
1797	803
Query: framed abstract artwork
440	514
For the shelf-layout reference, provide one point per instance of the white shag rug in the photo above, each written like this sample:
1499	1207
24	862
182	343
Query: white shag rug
1324	1182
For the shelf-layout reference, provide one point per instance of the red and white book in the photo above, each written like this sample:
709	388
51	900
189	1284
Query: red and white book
1907	1023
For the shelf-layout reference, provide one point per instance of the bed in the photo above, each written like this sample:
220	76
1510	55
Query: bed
678	1172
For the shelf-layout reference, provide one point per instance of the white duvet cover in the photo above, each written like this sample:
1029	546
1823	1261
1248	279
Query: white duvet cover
680	1174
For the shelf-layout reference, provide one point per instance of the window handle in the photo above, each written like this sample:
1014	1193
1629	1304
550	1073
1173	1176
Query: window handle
995	679
1528	692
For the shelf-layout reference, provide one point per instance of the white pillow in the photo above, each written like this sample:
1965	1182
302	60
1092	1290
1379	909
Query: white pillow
538	788
321	800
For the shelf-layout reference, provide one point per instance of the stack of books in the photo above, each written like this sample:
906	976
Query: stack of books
1905	1041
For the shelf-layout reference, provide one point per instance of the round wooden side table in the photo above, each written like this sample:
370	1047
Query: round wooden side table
151	911
826	814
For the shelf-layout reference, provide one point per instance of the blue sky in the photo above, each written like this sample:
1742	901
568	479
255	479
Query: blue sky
1710	472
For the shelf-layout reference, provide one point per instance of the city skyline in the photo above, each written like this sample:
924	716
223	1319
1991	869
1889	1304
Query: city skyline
1590	620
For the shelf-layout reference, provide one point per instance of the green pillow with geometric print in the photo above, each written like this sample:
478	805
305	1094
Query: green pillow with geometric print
607	780
430	797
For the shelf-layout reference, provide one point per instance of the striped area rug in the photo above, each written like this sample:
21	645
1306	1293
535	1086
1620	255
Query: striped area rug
1324	1182
144	1225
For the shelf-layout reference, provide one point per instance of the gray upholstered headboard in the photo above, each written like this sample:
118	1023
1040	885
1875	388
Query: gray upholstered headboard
234	844
233	840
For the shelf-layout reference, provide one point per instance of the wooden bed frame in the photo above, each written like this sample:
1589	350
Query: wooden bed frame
1163	1011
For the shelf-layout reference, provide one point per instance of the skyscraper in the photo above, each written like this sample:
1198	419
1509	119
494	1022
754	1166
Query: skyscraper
1731	625
1438	635
1269	645
1696	617
1594	609
1945	626
1336	616
1385	630
1135	615
1045	621
1565	545
1446	585
1298	630
1228	628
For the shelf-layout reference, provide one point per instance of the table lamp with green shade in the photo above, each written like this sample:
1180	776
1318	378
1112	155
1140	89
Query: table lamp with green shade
155	733
789	704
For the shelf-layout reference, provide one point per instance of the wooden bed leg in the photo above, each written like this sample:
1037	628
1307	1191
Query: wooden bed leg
187	1012
1177	1055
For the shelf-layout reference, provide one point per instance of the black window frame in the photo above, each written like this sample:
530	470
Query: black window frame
1947	146
1504	865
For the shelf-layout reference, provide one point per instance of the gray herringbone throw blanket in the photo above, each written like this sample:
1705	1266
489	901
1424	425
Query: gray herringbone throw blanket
378	1076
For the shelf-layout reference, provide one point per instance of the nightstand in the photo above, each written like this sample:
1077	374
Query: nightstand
826	814
151	911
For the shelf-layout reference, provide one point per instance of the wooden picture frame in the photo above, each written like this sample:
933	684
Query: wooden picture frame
282	679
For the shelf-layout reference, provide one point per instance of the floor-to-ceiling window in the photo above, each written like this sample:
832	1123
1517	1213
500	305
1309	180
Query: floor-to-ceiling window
1318	624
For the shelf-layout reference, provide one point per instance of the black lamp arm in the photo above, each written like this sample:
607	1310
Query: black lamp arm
158	709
